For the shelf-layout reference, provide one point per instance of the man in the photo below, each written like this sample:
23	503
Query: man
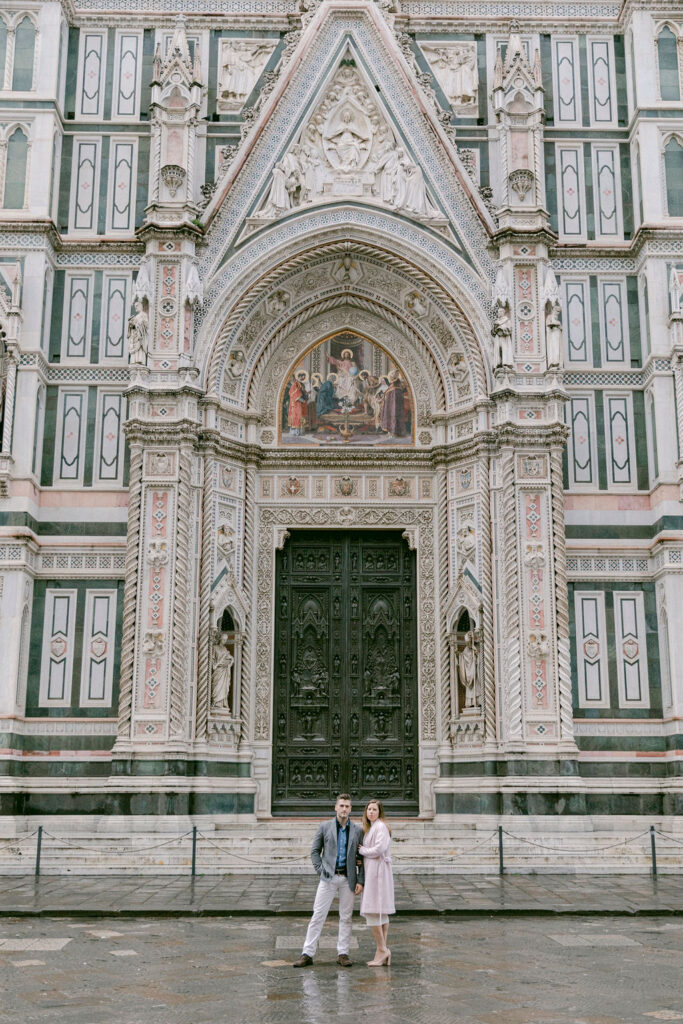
335	858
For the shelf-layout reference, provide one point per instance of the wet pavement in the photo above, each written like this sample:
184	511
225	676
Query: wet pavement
466	970
423	894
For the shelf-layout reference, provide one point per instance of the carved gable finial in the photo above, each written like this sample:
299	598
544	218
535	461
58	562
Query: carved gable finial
177	61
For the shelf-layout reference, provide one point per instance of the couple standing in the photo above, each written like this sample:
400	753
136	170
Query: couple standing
350	861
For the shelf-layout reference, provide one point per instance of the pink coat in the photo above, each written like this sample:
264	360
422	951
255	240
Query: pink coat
378	892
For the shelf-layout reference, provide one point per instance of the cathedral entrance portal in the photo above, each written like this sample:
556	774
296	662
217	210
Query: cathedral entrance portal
345	672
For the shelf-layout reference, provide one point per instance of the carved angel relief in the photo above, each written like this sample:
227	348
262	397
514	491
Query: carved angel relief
241	62
347	149
455	68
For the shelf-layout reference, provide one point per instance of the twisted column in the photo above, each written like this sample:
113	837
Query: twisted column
564	677
447	710
489	687
10	391
248	575
130	592
513	666
203	643
178	725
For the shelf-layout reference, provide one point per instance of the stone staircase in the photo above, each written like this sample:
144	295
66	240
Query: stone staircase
462	844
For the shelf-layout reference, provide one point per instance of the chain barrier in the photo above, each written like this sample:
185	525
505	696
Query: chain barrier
558	849
134	849
13	844
665	835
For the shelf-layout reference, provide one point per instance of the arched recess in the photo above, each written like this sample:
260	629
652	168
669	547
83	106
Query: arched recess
288	345
355	386
451	288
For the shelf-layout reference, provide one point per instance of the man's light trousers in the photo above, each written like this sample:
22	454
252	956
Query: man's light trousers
324	897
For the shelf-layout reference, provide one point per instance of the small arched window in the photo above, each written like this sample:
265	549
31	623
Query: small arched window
24	49
15	170
673	170
227	622
667	56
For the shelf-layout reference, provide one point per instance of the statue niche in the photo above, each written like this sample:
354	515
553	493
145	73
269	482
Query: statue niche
346	391
225	662
466	708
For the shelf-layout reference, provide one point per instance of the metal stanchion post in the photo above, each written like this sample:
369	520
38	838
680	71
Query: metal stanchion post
38	846
501	866
194	850
654	851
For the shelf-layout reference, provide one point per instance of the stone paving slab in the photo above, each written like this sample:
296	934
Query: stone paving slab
95	896
444	970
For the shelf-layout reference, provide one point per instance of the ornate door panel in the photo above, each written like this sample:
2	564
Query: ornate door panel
345	672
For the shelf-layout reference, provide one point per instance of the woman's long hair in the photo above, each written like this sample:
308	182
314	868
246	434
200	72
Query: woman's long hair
382	817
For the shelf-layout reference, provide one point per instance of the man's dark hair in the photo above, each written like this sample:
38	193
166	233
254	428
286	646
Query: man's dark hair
342	796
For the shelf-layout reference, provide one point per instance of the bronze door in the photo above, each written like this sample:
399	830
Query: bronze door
345	673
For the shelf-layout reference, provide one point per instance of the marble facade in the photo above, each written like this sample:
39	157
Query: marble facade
492	208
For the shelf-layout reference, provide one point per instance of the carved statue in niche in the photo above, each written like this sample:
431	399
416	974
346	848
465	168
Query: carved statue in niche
466	542
225	543
553	320
347	270
221	673
236	364
502	321
138	335
455	68
347	149
241	63
467	669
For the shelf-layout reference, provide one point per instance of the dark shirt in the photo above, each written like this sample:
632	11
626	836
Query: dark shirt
342	843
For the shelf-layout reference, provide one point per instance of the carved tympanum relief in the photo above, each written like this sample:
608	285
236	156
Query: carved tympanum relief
455	68
240	64
347	149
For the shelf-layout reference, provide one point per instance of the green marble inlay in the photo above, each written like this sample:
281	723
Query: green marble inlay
147	73
104	176
642	467
142	180
48	458
551	183
126	803
109	75
33	707
71	73
601	441
620	76
96	318
583	72
90	437
590	201
626	191
60	529
57	313
547	78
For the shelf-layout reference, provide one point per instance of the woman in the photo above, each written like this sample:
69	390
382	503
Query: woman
378	893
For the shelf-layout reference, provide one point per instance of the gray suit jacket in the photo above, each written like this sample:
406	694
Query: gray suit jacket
324	852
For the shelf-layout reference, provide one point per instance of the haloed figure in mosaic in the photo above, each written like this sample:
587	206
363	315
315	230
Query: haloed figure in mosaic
335	858
378	894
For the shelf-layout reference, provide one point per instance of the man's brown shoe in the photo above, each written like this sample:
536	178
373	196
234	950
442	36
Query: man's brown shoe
304	961
344	961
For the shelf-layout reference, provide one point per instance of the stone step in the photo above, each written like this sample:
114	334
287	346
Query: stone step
273	846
